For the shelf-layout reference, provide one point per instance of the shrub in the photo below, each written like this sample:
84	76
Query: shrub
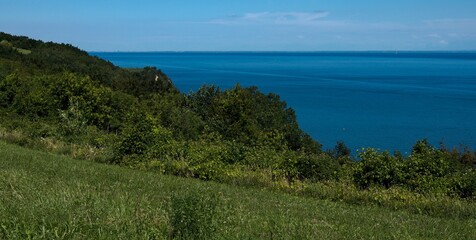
463	185
73	119
263	157
141	136
207	160
426	166
380	169
306	166
341	152
317	167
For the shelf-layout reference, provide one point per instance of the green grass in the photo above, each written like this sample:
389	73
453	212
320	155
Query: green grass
48	196
23	51
20	50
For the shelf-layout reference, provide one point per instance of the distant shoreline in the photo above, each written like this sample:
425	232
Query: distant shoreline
463	55
324	52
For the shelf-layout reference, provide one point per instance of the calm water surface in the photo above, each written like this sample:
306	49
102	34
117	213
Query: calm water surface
367	99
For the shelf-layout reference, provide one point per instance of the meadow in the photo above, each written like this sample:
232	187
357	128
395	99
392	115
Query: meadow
43	195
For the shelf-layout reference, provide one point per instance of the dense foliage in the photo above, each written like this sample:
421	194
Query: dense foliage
47	196
57	97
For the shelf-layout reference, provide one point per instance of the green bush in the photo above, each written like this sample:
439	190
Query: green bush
317	167
140	136
304	166
341	153
174	113
73	119
8	89
378	169
263	157
207	159
426	167
463	185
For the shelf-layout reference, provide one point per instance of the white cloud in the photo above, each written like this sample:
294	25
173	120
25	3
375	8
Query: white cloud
452	22
313	30
297	18
451	25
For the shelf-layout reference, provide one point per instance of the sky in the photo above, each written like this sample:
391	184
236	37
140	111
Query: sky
246	25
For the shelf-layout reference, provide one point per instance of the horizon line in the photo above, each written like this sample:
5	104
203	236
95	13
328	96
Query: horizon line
286	51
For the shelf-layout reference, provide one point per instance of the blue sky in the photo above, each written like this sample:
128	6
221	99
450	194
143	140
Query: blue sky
256	25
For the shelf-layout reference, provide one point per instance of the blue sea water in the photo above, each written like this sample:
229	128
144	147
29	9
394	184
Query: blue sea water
385	100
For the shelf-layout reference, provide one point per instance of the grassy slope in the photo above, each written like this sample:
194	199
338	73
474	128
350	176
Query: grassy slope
23	51
49	196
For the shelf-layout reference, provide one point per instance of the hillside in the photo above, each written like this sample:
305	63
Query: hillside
38	57
48	196
56	98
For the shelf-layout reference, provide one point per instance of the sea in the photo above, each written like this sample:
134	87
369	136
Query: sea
384	100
